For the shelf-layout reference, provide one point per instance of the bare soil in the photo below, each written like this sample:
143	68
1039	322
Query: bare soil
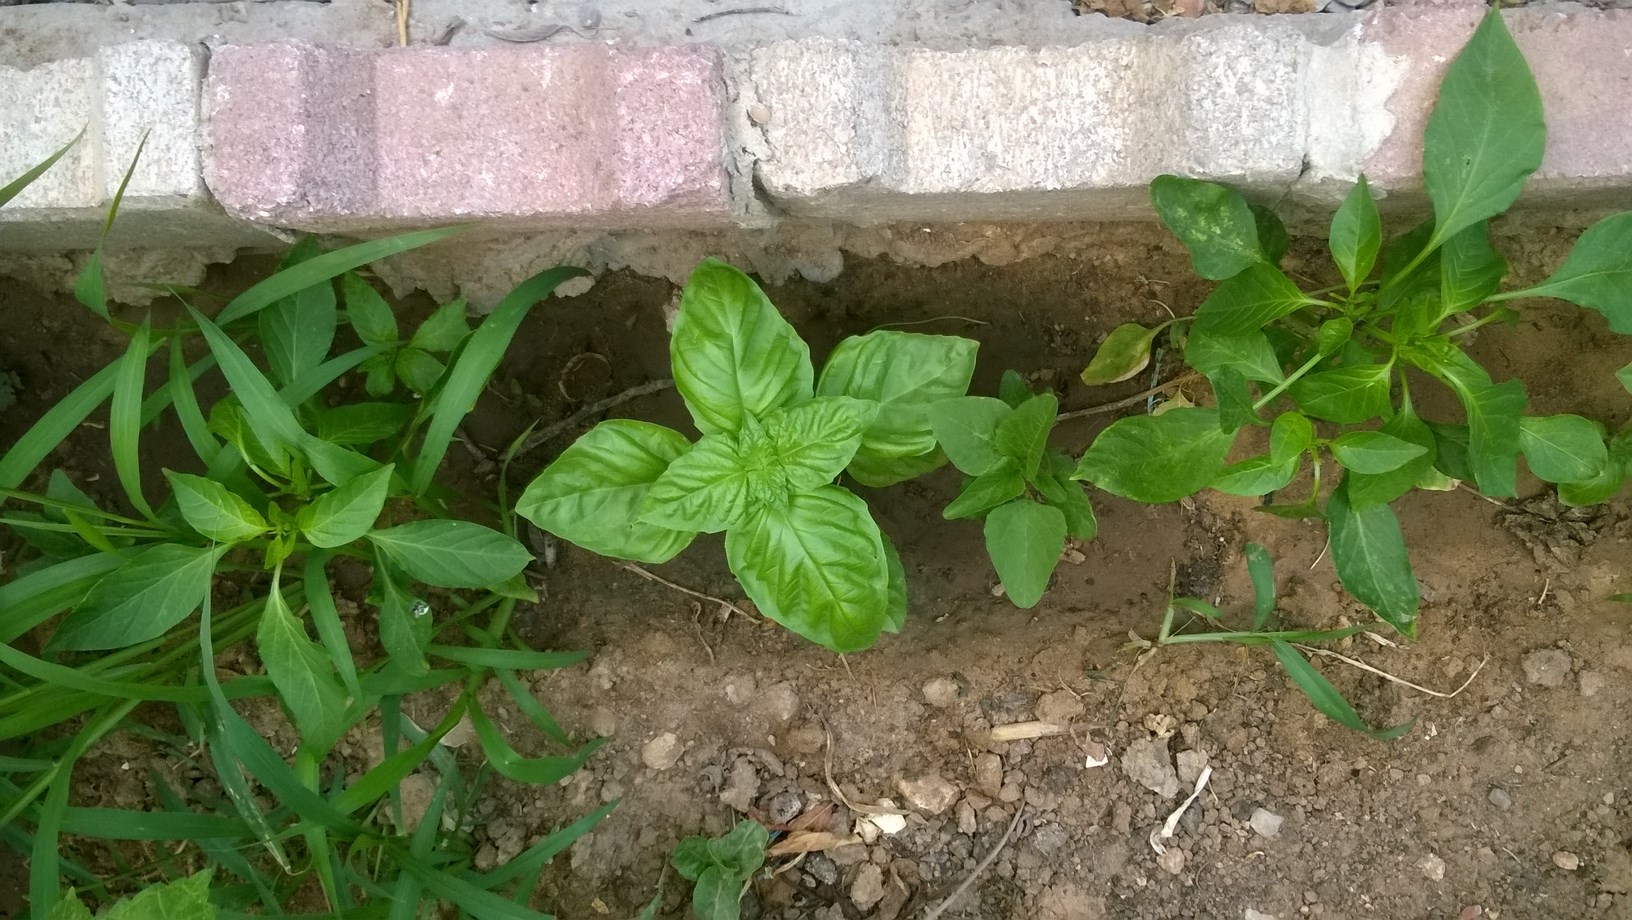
1510	799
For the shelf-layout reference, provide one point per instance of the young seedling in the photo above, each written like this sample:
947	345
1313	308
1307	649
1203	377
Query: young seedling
1324	372
1018	485
1283	642
720	868
775	436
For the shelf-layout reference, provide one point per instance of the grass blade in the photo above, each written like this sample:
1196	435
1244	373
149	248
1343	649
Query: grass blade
540	853
326	618
531	707
261	402
1262	571
512	765
182	396
45	877
15	187
1325	696
310	383
125	417
321	268
474	364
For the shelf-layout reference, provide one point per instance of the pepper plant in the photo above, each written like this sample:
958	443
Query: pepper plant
1325	372
774	437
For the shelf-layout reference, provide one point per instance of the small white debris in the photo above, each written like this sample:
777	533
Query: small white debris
1432	867
889	824
1265	822
1566	860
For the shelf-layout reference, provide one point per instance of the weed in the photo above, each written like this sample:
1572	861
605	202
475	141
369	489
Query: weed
1413	303
719	868
775	435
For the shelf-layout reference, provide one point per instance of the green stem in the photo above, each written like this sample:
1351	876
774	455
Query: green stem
1464	330
1280	388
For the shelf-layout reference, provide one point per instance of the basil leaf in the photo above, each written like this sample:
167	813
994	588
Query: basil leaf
904	374
812	442
714	486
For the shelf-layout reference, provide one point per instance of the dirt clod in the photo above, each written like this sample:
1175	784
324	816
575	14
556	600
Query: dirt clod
741	785
1147	762
1265	822
1171	861
868	889
1566	860
1549	667
662	752
1500	798
1433	867
930	792
940	692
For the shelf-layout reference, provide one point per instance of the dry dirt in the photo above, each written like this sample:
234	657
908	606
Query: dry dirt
1512	799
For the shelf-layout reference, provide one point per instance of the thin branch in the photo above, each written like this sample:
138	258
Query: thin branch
593	409
986	863
630	566
1356	663
1133	400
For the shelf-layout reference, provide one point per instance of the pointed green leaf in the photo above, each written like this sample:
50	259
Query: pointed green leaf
1012	389
1367	489
742	851
1060	491
967	430
214	512
1024	434
1369	553
816	565
1024	540
876	471
1374	451
1485	135
364	423
1124	353
371	317
1494	411
1347	395
418	370
904	373
1291	435
452	554
1261	569
297	331
1234	397
15	187
717	895
1249	353
153	591
811	443
1272	235
183	899
712	487
343	515
1248	301
306	682
1470	270
1563	448
443	330
982	493
733	354
124	417
1256	476
1357	234
1325	696
592	494
1214	222
1158	458
1597	274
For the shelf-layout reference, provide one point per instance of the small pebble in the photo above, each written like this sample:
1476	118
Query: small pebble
1432	867
662	752
930	792
759	114
1172	861
1265	822
989	774
868	888
1500	798
940	692
1566	860
1548	667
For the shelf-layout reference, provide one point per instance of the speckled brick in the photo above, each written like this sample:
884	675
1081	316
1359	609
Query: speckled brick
531	137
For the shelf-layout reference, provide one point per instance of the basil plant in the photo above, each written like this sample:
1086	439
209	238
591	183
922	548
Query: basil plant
775	435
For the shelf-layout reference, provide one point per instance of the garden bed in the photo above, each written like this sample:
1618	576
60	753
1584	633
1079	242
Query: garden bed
1513	797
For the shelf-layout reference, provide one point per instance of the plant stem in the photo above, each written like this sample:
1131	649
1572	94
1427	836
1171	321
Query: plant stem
1280	388
1487	318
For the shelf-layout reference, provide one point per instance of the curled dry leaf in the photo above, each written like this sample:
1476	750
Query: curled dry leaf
810	842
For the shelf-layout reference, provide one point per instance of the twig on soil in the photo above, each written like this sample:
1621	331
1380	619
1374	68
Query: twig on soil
985	864
594	408
630	566
1133	400
827	774
743	12
933	319
1324	547
1356	663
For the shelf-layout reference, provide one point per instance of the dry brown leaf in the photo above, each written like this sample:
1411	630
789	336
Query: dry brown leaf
810	842
812	818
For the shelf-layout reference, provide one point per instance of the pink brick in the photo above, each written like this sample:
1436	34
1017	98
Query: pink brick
529	137
1582	59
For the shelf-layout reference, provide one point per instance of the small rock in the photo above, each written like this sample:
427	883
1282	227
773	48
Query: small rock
1122	818
1147	763
966	817
1471	912
1257	915
941	692
759	113
930	792
742	786
1191	763
1171	861
868	888
822	868
1500	798
1591	683
1433	867
415	793
1059	707
662	752
783	807
602	722
1549	667
989	775
1265	822
1566	860
779	704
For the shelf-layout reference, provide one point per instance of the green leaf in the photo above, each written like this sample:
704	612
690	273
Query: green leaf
1624	375
1060	491
870	469
1374	451
156	589
371	317
406	624
715	486
1025	540
895	611
301	671
1256	476
1213	221
254	444
1367	489
1124	353
1597	274
69	908
733	354
1012	389
1234	397
1601	488
1024	434
418	370
90	288
1333	335
443	330
343	515
1494	411
1369	553
1249	353
904	373
966	428
1261	569
982	493
742	851
718	895
124	417
1247	302
816	566
275	422
1451	450
183	899
691	857
363	423
1485	135
1357	234
452	554
297	331
1272	236
15	187
1290	435
1346	395
214	512
1563	448
1470	270
811	443
1158	458
321	268
592	494
1423	281
1325	697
